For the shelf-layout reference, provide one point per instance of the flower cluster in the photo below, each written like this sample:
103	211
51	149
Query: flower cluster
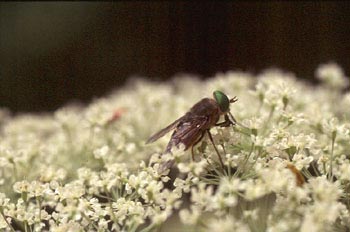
286	163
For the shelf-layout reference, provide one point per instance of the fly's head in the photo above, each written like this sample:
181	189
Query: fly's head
223	101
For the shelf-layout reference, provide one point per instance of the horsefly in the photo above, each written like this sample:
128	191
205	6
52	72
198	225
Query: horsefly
190	128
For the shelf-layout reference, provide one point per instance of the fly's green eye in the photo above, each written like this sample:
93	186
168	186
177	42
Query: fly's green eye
222	100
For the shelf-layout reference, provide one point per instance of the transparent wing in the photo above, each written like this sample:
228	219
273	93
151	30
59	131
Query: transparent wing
188	132
163	131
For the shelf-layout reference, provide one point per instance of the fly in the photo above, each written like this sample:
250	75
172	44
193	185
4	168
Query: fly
191	128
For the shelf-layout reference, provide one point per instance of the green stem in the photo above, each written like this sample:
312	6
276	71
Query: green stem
235	129
256	158
260	106
202	223
90	222
38	200
228	166
111	207
25	226
214	168
324	167
240	168
307	173
9	225
270	116
334	135
149	228
317	172
133	227
15	170
210	181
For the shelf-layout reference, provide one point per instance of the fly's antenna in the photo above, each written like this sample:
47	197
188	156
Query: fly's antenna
233	100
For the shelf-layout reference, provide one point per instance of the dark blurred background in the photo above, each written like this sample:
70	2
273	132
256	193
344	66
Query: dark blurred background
54	52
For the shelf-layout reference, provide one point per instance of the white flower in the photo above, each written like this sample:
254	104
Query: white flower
80	169
50	173
201	194
21	187
324	190
38	189
332	127
234	160
3	223
160	217
344	171
3	200
189	217
184	185
301	161
253	123
102	152
195	167
226	195
332	75
124	209
70	191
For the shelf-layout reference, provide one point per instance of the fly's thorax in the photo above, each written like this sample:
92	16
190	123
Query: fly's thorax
205	107
209	108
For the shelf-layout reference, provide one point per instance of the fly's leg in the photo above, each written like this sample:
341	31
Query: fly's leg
226	123
234	122
217	151
233	118
199	139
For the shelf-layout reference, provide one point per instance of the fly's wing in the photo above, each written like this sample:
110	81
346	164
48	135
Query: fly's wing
163	131
188	132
